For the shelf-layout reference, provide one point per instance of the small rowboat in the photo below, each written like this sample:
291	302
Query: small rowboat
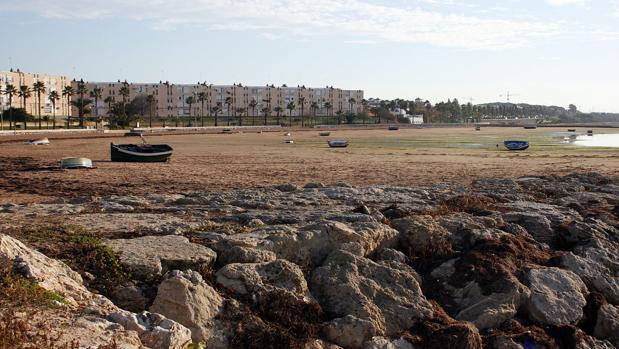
477	128
516	145
338	144
571	130
288	141
393	128
72	163
140	152
324	134
530	127
42	141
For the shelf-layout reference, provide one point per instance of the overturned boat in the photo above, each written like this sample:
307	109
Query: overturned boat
393	127
41	141
73	163
516	145
338	144
140	152
324	134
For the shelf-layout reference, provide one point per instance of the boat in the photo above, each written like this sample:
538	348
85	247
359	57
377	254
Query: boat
41	141
324	134
140	152
227	131
134	133
516	145
338	144
571	130
73	163
589	132
287	134
530	127
289	141
477	128
393	128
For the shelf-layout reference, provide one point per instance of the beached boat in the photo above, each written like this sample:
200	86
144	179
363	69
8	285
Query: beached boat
477	128
530	127
516	145
324	134
288	141
140	152
393	128
338	144
73	163
571	130
41	141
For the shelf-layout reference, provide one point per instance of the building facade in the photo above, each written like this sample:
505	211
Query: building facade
31	104
171	100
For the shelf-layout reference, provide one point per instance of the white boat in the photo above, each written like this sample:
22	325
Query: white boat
41	141
71	163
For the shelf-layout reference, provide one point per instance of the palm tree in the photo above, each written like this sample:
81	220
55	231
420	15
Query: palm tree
24	93
191	100
351	102
10	91
328	107
290	108
253	104
314	107
364	103
339	116
53	98
241	112
125	92
278	110
37	88
81	90
96	93
151	101
68	93
266	111
302	104
215	110
228	103
202	97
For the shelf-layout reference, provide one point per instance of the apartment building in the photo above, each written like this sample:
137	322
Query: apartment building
18	78
171	99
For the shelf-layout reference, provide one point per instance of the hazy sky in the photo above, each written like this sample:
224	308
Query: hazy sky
542	51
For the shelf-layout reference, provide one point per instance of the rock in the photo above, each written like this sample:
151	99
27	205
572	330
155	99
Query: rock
313	185
155	331
557	296
154	255
320	344
386	343
186	298
49	273
287	188
350	285
607	324
261	278
228	254
389	254
505	342
349	331
422	235
457	335
536	224
129	297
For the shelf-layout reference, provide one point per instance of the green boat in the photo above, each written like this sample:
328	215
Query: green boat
140	152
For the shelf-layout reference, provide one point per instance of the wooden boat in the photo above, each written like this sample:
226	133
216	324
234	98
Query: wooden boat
530	127
516	145
140	152
393	128
72	163
571	130
477	128
324	134
41	141
338	144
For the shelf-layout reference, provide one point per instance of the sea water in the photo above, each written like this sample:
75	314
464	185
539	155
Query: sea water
597	140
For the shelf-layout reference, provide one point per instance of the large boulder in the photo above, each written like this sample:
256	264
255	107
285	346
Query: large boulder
607	324
422	235
557	296
150	256
51	274
154	330
386	343
536	224
390	298
185	297
261	278
349	331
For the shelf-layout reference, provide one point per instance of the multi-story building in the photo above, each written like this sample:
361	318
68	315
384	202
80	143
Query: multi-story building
51	83
171	100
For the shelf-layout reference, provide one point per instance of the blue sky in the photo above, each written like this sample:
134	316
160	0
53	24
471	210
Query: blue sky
544	51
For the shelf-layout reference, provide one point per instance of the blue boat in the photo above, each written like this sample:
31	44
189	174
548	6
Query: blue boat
516	145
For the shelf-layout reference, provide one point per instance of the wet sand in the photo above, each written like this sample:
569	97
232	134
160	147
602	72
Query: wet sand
219	161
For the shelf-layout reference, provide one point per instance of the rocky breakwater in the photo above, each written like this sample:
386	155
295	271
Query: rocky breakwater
525	263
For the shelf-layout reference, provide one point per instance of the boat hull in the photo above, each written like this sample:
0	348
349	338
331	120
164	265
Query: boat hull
338	144
140	153
516	145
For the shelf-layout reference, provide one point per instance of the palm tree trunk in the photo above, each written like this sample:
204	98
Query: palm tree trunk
39	105
54	116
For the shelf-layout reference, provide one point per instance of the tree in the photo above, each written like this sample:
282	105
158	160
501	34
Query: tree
53	98
364	104
328	107
314	107
302	105
24	93
216	110
278	110
253	104
109	100
68	93
82	105
202	98
82	90
151	101
191	100
573	108
10	92
228	103
39	87
241	111
339	116
96	94
266	111
290	108
351	102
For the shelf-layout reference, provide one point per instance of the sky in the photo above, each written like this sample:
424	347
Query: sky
553	52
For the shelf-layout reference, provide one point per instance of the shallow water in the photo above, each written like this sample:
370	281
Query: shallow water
597	140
